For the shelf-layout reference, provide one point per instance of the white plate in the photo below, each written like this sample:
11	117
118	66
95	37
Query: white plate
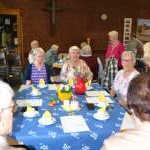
45	122
42	87
30	115
33	94
99	116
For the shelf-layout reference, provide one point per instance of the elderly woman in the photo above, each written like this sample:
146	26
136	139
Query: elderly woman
51	55
75	67
34	45
139	102
6	115
123	77
38	70
115	48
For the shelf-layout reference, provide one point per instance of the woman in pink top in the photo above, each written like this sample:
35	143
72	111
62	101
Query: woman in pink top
115	48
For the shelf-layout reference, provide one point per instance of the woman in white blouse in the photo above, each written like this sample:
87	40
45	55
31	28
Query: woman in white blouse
123	77
139	103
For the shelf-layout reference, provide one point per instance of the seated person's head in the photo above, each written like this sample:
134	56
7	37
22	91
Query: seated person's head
6	108
83	44
74	52
55	48
39	55
34	44
128	60
138	97
86	50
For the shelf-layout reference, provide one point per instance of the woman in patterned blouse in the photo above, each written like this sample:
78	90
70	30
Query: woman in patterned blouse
38	70
75	67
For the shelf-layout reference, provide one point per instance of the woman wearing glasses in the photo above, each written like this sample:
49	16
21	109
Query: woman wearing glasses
139	103
123	77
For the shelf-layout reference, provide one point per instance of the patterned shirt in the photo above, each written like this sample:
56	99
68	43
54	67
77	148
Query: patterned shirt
121	84
70	72
38	74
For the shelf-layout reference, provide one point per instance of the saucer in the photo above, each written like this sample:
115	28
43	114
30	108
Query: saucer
30	115
101	104
33	94
45	122
99	116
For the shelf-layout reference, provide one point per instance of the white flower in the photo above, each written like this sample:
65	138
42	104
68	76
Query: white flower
67	87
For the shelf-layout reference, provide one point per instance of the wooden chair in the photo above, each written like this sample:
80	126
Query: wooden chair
3	67
15	67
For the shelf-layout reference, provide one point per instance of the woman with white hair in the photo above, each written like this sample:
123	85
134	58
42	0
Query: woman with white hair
123	77
38	70
75	67
34	45
51	55
115	48
6	115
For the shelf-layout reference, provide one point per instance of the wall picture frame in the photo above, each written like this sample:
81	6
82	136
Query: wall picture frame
143	29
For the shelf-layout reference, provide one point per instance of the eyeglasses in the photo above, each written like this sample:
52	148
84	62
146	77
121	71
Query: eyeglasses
127	60
13	108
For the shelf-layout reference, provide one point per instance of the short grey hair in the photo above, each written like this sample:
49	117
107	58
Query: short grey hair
125	53
37	50
6	94
74	48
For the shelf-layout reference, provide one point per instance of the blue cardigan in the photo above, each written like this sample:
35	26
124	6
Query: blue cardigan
27	75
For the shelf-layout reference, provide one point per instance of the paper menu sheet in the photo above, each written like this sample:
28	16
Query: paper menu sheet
96	93
95	100
74	124
52	87
31	102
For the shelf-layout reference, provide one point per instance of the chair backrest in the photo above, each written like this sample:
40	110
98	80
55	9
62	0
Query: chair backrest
93	65
2	58
14	59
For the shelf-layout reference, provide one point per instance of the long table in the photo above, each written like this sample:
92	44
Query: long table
52	137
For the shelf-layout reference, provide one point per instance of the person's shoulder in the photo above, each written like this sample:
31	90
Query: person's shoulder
117	141
82	61
7	147
120	72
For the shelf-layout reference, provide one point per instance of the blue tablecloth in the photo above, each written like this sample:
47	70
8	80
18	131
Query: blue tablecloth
30	132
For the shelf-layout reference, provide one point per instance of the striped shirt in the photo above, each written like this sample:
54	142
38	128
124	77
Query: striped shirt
37	74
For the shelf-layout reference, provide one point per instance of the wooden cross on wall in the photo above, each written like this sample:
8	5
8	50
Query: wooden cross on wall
51	7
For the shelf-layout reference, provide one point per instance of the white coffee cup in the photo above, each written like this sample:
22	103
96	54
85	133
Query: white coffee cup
66	103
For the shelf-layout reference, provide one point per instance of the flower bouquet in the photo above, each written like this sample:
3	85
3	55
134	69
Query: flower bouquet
64	92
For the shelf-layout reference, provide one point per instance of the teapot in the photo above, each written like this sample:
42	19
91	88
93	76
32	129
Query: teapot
79	86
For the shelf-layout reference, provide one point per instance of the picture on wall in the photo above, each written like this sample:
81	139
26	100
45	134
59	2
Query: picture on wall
143	29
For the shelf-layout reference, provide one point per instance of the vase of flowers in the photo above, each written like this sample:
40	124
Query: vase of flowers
64	92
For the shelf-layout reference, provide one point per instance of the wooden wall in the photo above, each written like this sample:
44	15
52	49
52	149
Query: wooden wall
76	20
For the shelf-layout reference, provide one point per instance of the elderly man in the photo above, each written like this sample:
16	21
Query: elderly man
34	45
